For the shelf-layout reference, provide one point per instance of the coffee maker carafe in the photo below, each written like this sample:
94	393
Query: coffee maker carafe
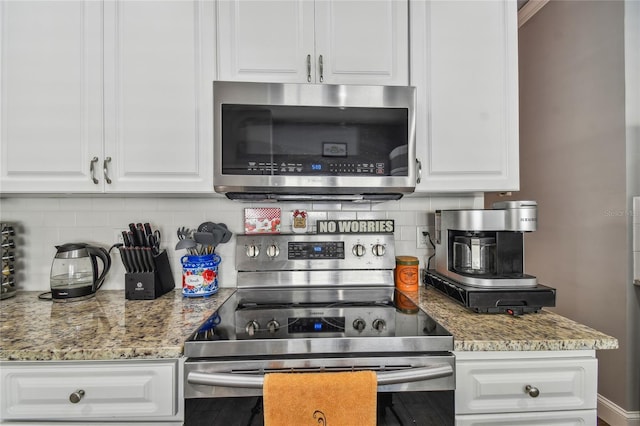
74	271
485	248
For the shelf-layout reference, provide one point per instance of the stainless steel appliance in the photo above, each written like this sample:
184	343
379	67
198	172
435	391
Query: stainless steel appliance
74	271
319	303
479	258
314	141
8	250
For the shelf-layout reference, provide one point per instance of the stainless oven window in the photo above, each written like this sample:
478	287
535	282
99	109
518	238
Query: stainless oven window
400	408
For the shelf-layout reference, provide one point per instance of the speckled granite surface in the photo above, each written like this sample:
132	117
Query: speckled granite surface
542	331
105	327
110	327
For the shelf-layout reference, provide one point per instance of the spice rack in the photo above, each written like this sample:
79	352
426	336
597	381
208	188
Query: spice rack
8	254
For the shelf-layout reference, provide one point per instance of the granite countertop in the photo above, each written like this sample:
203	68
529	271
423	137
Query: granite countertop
542	331
109	327
101	328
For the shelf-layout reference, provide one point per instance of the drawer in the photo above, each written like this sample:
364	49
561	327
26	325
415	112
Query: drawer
136	390
555	418
500	386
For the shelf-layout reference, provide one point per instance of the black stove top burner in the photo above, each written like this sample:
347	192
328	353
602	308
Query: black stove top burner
512	301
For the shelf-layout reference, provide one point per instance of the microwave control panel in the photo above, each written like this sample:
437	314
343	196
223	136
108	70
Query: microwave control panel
318	168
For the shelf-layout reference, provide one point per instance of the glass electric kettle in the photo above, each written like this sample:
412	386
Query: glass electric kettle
74	272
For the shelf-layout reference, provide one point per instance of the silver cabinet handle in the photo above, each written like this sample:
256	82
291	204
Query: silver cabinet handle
91	171
309	68
256	381
76	396
321	64
105	171
419	169
532	391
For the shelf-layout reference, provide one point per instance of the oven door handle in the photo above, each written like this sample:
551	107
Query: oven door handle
250	381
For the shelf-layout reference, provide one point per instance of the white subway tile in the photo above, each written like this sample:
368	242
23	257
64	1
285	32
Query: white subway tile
331	215
108	204
402	218
371	215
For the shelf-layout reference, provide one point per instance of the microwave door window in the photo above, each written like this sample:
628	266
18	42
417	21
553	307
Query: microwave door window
306	140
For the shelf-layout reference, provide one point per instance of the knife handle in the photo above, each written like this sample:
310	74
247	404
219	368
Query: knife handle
125	239
132	235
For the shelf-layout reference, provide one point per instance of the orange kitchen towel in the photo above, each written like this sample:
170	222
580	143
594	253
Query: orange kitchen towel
328	399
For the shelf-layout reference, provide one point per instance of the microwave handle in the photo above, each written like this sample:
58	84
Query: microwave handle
257	381
419	171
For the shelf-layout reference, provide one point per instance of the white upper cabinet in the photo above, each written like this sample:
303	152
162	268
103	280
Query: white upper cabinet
464	63
108	96
305	41
51	95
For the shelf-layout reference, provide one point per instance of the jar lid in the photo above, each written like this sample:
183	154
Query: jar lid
407	260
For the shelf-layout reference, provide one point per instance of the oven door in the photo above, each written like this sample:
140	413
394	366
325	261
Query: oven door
412	389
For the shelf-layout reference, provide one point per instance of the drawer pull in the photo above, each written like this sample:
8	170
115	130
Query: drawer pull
532	391
76	396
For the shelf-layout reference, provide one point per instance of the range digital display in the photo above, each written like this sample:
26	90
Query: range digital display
316	250
316	325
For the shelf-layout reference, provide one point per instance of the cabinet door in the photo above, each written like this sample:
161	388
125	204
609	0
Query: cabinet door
362	42
503	386
266	41
464	63
51	95
159	69
554	418
108	391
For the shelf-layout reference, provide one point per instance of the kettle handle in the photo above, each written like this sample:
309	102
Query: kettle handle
106	262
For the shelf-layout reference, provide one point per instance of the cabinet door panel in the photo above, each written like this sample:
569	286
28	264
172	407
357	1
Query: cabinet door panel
556	418
158	96
266	41
500	386
51	93
363	42
468	126
112	391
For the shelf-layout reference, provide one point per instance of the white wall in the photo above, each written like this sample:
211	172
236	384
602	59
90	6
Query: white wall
47	222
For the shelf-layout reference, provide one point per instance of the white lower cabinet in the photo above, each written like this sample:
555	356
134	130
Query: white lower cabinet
527	388
92	392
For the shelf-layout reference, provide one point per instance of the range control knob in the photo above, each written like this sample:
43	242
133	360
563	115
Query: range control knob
358	250
378	250
273	326
252	327
379	325
359	324
252	251
273	251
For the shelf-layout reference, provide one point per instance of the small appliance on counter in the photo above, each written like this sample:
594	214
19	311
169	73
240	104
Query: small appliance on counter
8	254
479	259
148	273
74	271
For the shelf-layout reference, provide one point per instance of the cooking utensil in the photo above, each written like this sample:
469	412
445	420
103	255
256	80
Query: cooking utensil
206	227
208	241
227	234
186	244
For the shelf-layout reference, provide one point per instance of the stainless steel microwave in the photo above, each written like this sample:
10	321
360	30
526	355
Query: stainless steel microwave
314	142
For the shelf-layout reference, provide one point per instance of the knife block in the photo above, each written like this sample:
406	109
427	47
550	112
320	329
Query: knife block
150	285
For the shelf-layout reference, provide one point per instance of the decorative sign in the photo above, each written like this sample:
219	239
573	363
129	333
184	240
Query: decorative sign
354	226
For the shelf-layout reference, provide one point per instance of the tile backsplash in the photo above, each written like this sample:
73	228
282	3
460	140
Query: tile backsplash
47	222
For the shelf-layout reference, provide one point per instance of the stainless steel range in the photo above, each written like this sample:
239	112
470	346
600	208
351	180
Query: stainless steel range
323	302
